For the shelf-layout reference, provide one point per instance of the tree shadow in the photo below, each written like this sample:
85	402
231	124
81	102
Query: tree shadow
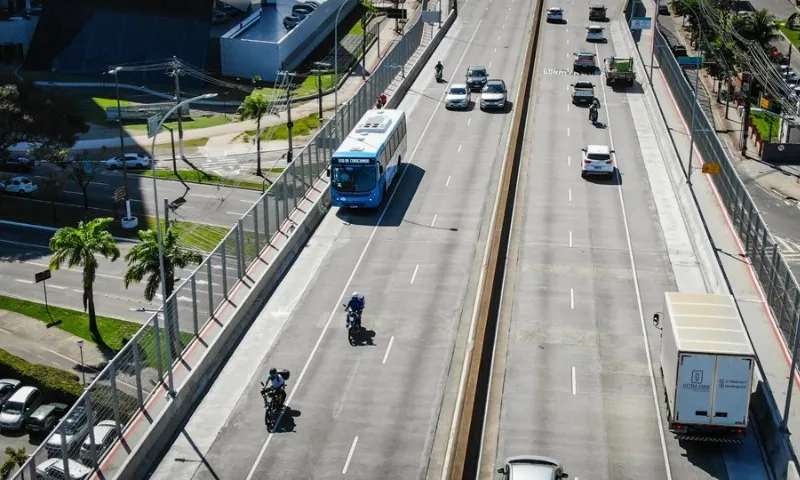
287	422
401	195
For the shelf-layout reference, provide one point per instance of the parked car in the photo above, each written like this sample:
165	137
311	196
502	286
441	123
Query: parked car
21	186
663	9
53	469
74	427
19	407
132	160
105	432
18	164
46	417
7	388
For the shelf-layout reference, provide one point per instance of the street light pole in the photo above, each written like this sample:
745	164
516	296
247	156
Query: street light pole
83	369
336	58
115	71
167	323
694	104
321	67
289	125
653	50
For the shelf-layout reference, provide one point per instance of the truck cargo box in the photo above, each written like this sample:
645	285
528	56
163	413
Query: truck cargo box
707	365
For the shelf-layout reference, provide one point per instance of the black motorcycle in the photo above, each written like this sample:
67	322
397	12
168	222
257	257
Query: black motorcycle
353	325
273	401
593	115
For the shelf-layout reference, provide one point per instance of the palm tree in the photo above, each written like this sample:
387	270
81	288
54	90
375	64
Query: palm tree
79	247
142	262
15	458
255	106
760	28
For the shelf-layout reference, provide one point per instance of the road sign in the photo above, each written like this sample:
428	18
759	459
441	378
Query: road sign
396	13
152	124
119	194
765	102
42	276
711	168
690	61
641	23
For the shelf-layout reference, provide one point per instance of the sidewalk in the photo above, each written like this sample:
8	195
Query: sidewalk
741	280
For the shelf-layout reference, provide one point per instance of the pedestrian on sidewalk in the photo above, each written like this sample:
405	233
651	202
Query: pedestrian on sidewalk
382	99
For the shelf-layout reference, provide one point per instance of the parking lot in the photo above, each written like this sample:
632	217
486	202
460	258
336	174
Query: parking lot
16	440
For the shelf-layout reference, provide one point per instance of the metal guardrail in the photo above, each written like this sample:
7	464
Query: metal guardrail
118	394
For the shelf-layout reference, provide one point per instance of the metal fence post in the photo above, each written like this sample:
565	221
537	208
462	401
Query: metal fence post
268	237
285	195
774	276
784	307
64	452
157	339
137	372
240	247
210	285
788	405
194	304
224	270
112	374
294	184
255	230
90	421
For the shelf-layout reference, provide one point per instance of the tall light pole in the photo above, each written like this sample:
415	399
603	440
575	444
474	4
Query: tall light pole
115	71
336	58
694	104
83	369
167	321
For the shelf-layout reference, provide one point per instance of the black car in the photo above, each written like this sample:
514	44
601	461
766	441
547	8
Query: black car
17	164
679	51
476	77
7	388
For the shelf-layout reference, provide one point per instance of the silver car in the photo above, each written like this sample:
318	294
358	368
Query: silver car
458	96
531	467
494	94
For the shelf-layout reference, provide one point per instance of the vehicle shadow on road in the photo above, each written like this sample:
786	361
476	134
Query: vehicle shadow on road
636	88
401	193
614	181
498	111
706	456
364	337
287	424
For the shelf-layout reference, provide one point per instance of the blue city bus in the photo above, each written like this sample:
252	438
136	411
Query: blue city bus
364	165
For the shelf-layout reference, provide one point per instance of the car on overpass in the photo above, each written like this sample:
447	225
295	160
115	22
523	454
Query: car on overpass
532	467
597	160
20	186
458	97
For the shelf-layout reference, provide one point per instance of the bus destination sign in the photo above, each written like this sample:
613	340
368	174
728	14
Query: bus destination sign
353	161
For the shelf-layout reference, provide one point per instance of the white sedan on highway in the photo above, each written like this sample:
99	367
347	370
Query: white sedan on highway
132	160
597	160
458	96
21	186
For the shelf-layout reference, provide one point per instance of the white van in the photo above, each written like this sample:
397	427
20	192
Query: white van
19	407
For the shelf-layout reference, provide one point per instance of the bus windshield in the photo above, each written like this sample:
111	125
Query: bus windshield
359	179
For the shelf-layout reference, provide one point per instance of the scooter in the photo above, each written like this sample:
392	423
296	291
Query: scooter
593	116
353	324
438	75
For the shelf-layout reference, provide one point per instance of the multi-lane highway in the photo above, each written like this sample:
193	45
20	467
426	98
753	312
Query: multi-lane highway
371	411
24	251
589	267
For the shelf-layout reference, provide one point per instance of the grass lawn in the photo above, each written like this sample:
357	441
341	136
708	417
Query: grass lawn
197	142
94	108
193	176
762	121
203	237
302	127
199	122
792	34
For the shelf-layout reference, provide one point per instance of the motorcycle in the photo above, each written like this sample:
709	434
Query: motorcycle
353	324
593	116
273	401
438	75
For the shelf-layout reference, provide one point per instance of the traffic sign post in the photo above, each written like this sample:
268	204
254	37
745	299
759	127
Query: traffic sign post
711	168
641	23
42	277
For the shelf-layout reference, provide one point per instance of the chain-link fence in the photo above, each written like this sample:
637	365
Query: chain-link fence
118	395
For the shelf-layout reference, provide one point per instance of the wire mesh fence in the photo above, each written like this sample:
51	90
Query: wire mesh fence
773	272
81	442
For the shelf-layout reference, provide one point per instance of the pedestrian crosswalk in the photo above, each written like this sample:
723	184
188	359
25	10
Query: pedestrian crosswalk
789	249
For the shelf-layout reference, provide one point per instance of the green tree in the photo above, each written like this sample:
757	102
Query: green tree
254	107
142	261
82	171
14	458
52	182
760	28
80	247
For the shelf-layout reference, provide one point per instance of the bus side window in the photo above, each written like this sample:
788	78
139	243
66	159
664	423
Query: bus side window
380	170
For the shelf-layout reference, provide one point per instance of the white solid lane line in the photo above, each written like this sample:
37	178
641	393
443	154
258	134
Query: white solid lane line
568	131
22	280
434	220
24	244
459	149
335	311
388	349
569	160
638	296
57	287
572	298
574	382
570	194
350	455
570	239
469	120
447	183
414	275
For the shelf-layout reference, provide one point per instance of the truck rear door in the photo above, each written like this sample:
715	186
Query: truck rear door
732	395
695	384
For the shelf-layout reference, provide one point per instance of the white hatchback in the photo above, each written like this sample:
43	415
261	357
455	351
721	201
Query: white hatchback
21	186
594	33
555	15
458	96
597	160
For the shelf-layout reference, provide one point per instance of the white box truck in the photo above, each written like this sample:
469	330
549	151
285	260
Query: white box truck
707	365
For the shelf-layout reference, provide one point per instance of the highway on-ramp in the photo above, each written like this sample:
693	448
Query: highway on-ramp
371	411
587	268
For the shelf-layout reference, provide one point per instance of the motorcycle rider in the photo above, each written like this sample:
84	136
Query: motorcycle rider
356	304
276	385
593	109
439	69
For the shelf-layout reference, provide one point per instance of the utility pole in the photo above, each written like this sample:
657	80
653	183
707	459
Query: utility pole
746	116
289	124
176	72
116	71
364	44
321	68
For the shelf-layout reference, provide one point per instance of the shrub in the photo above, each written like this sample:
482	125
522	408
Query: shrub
56	384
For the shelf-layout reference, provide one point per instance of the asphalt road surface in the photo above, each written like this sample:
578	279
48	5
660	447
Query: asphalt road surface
24	252
371	411
577	380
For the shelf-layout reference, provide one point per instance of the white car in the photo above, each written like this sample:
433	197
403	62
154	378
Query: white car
597	160
105	432
555	15
21	186
132	160
458	96
594	33
75	428
53	469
